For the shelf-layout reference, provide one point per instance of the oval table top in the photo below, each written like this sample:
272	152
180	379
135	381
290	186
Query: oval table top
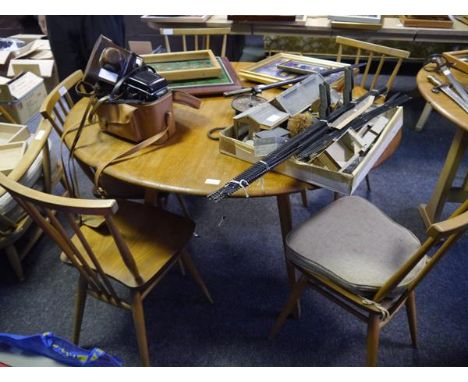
186	161
440	101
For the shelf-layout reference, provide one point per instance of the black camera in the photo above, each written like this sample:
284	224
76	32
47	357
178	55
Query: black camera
121	74
145	85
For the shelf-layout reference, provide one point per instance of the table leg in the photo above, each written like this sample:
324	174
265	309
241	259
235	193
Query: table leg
442	192
284	209
424	117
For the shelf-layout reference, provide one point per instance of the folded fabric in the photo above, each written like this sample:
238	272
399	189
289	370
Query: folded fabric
49	345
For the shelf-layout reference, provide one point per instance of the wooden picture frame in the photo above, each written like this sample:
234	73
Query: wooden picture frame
356	22
458	59
266	71
426	21
228	81
184	65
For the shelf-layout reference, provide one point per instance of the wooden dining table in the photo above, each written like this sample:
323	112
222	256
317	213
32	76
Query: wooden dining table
189	163
444	190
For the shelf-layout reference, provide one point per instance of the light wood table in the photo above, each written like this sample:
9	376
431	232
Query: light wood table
444	190
188	160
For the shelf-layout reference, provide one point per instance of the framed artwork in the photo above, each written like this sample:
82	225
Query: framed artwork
227	81
177	19
282	66
184	65
426	21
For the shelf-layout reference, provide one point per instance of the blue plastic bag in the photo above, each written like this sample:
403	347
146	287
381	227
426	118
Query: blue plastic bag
49	345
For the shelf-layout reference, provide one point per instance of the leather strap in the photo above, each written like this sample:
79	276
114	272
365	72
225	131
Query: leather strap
133	150
186	99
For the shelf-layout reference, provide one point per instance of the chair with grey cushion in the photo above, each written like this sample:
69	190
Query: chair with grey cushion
354	254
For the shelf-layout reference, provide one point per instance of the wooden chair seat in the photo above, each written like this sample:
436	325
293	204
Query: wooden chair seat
359	260
153	245
353	254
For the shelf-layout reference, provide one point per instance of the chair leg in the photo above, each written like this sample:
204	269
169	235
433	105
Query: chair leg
305	202
185	210
15	261
411	313
368	183
294	296
79	308
190	266
182	267
373	334
139	322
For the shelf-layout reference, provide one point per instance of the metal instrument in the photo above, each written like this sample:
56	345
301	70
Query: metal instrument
447	90
443	67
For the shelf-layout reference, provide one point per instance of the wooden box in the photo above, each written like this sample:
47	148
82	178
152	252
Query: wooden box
10	156
10	133
333	180
458	59
185	65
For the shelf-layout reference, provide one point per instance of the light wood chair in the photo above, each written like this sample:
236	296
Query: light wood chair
205	33
370	267
136	248
55	109
38	170
384	54
369	52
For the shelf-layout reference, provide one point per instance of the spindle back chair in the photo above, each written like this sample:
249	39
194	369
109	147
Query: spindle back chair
136	248
206	33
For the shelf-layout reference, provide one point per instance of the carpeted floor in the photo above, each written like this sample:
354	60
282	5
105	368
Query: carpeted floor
242	263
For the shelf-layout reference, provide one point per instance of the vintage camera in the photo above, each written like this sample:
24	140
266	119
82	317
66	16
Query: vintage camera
145	85
121	74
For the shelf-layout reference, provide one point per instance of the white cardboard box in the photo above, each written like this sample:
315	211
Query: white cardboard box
22	96
333	180
42	68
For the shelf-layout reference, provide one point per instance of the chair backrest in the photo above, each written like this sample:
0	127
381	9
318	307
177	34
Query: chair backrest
449	230
43	208
205	33
59	102
371	52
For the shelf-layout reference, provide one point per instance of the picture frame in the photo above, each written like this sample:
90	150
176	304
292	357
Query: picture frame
177	19
458	59
188	65
227	81
267	71
426	21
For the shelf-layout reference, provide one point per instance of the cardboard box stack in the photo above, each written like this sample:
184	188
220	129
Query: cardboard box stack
35	56
26	75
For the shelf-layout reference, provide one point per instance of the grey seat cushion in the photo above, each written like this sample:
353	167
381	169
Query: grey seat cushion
354	244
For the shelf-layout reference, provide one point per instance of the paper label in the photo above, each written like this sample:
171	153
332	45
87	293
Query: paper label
167	31
273	118
39	135
108	75
212	181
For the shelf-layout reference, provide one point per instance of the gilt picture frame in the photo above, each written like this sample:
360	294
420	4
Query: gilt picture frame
267	71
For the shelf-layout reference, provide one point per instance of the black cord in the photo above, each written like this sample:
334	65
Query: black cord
212	131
